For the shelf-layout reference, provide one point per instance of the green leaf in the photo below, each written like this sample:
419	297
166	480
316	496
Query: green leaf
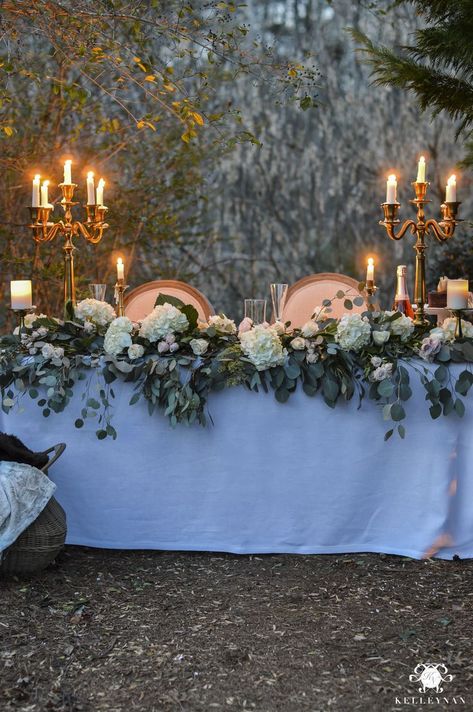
292	370
397	412
191	314
402	431
358	301
101	434
282	395
79	423
385	388
167	299
340	294
441	374
134	399
460	407
388	434
435	410
444	354
92	403
348	304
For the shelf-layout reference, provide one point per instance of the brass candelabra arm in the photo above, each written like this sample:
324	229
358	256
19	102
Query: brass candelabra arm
391	221
43	230
92	232
445	229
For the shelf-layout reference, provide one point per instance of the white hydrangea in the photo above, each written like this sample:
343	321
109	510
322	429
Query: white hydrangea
118	336
353	332
135	351
263	347
223	324
402	327
95	311
199	346
164	319
448	329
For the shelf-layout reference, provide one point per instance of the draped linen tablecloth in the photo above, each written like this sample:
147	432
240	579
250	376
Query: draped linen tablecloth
266	477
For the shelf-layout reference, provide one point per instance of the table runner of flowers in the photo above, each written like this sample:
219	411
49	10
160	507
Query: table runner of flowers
175	362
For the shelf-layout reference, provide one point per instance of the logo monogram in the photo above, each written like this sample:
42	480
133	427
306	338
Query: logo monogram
431	676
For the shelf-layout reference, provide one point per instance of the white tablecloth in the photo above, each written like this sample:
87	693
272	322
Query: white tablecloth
266	477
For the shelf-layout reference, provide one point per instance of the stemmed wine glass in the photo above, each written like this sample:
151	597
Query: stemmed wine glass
278	297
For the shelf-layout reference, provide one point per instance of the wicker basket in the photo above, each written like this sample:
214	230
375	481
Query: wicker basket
43	540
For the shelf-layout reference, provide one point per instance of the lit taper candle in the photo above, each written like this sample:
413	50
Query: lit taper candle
100	188
67	173
421	170
370	272
35	200
44	194
451	192
120	270
391	189
90	188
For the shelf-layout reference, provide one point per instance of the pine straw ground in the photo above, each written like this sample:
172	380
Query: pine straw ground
120	631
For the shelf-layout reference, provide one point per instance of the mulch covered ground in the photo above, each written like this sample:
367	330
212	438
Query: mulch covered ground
109	630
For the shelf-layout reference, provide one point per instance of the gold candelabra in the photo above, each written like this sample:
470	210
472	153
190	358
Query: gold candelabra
119	296
421	227
91	230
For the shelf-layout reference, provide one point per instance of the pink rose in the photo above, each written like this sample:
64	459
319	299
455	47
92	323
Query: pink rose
245	325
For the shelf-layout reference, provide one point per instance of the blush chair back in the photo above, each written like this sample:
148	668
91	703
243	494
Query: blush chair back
308	293
140	301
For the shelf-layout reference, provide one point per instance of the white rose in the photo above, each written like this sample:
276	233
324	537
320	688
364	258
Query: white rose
298	344
163	346
382	372
199	346
380	337
312	357
135	351
174	347
310	328
47	351
58	352
376	361
223	324
278	327
430	346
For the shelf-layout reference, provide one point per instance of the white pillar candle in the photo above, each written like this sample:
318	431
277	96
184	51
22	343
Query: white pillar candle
370	270
391	188
90	189
35	202
67	173
20	290
451	192
120	269
457	293
100	192
421	170
44	194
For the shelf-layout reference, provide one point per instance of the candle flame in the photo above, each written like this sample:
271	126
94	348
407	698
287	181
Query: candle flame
392	178
120	262
37	178
68	162
370	261
422	159
45	183
102	182
452	180
90	175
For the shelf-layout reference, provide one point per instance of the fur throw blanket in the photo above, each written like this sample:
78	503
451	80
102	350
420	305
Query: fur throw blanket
13	450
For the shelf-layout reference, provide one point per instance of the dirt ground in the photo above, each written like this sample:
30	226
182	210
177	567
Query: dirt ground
119	631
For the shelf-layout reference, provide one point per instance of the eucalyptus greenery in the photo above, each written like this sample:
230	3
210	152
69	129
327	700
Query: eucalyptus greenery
52	359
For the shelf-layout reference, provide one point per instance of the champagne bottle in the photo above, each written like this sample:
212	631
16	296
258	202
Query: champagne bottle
402	303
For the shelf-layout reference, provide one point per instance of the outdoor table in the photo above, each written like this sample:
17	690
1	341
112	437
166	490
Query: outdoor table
265	477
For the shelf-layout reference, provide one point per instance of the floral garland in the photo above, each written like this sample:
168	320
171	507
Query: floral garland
176	362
